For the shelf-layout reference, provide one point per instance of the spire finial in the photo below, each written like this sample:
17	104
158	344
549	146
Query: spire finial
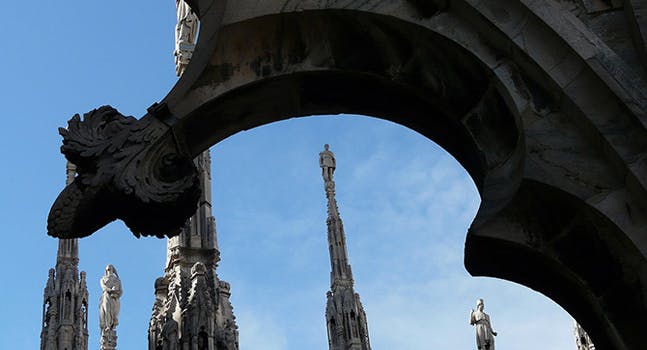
327	163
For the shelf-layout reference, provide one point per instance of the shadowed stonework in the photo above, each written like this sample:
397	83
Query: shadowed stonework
537	100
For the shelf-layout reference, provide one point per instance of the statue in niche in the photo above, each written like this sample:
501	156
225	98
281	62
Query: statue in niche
484	332
327	163
109	301
186	30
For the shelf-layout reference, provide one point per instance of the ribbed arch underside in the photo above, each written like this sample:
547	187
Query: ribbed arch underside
550	180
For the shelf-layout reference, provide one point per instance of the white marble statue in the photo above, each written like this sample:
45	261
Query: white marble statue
186	31
484	332
109	301
327	163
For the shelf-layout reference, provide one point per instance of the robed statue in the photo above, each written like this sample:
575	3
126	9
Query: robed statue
186	31
109	301
327	163
484	332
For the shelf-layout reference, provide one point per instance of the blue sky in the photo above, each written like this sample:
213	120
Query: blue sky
406	204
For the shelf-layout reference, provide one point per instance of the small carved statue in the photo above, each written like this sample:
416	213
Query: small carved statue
327	163
484	332
109	301
185	34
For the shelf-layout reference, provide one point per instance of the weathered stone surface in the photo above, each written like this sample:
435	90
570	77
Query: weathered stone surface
128	169
537	102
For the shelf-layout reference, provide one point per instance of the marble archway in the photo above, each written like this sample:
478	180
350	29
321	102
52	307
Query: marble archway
546	118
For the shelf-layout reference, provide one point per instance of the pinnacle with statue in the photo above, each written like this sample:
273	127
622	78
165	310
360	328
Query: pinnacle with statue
345	316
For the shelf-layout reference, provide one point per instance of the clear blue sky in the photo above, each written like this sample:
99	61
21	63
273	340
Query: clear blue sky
406	204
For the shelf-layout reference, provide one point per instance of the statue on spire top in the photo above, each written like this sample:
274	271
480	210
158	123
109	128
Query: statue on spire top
327	163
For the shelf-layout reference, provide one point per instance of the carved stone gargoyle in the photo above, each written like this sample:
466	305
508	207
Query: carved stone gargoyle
127	169
139	171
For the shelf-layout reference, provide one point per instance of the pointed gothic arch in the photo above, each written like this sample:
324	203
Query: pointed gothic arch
547	120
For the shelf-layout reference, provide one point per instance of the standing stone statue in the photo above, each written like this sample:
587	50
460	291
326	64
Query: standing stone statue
327	163
109	308
484	332
186	30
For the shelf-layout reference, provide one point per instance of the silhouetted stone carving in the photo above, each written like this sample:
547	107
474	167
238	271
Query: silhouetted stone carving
128	169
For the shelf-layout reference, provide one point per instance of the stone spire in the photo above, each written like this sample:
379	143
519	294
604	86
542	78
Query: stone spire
345	317
192	308
65	305
582	339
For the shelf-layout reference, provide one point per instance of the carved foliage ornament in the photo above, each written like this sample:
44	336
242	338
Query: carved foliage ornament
128	169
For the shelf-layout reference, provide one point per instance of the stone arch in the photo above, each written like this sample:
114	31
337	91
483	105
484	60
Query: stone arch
547	120
442	92
525	92
551	241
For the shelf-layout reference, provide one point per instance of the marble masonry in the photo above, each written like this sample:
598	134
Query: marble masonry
544	103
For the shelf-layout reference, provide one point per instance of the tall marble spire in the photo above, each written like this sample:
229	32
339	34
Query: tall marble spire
192	309
65	298
345	317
